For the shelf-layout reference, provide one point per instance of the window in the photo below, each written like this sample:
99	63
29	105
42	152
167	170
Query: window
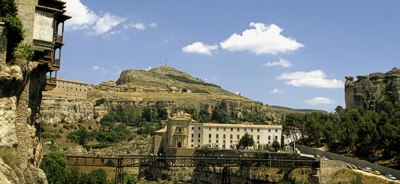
231	136
231	129
238	136
192	135
276	137
216	136
192	145
231	141
269	130
217	128
223	141
198	140
198	136
258	142
199	128
224	136
192	140
251	130
276	130
216	141
238	129
192	128
209	136
258	130
258	136
244	129
224	129
269	137
209	141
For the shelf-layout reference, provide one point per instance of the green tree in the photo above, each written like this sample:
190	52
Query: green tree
276	145
55	167
246	141
80	136
205	150
98	176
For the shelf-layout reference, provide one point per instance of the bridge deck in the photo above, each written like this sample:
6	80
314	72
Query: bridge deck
186	161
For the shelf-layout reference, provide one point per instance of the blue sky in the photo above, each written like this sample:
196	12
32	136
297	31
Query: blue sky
286	53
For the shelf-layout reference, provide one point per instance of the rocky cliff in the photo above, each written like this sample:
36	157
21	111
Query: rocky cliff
58	109
20	146
372	91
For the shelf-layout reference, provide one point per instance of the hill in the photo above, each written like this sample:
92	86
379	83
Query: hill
174	90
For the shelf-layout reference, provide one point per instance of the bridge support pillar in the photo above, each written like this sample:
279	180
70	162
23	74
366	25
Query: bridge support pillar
226	176
118	171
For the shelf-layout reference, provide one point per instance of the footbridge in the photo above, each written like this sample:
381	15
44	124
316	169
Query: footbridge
121	161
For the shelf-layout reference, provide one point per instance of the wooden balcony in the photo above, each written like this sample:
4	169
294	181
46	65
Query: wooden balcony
58	39
50	83
45	60
55	65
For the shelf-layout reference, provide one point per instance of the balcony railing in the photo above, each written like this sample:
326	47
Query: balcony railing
57	62
58	39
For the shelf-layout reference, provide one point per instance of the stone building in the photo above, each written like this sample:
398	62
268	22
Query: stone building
21	85
44	29
181	132
68	89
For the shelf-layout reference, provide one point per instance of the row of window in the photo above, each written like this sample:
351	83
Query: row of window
237	129
231	136
76	89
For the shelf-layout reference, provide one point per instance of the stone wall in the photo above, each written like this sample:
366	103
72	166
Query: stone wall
370	91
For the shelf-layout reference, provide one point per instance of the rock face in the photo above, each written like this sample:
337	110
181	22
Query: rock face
54	110
372	91
20	97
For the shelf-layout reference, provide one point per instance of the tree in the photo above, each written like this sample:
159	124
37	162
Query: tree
276	145
55	167
246	141
205	150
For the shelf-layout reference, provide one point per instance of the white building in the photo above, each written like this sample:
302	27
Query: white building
181	132
227	136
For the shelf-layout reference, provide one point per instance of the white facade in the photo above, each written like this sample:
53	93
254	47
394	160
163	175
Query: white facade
227	136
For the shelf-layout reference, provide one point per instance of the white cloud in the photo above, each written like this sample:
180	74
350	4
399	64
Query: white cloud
81	15
148	68
140	25
84	18
276	91
261	39
281	62
200	48
106	23
314	78
319	101
102	70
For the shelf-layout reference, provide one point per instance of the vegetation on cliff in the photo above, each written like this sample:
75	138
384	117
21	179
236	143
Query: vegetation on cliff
373	135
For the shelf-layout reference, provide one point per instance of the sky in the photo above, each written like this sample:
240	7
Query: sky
287	53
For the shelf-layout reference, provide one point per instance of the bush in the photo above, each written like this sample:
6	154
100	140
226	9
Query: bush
80	136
